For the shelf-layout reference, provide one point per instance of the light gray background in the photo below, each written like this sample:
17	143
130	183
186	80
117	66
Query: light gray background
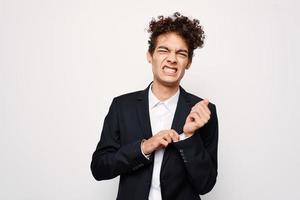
62	62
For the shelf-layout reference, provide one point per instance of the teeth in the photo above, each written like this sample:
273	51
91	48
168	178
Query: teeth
170	70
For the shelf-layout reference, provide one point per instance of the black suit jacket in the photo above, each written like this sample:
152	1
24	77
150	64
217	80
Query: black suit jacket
189	167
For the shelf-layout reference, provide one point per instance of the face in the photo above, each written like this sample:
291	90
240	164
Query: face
169	59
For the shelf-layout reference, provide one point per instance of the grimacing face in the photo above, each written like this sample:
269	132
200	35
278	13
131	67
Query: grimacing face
169	59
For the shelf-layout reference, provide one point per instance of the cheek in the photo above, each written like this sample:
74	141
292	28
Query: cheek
155	67
183	66
157	64
159	58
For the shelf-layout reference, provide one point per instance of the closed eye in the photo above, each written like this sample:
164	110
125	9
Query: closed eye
162	50
183	54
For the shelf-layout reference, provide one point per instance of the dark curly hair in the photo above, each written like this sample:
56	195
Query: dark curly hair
189	29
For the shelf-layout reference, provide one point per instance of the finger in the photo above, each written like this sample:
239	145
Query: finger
194	108
195	116
203	119
190	117
167	137
205	101
207	110
171	133
199	109
204	116
198	121
175	139
164	143
203	112
202	102
197	112
201	106
197	105
205	106
174	135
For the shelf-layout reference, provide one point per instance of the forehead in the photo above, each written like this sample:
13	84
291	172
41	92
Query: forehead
172	41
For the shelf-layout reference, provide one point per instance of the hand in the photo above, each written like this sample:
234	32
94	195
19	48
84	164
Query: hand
160	140
198	117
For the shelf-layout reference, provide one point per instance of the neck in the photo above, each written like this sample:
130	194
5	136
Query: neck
163	92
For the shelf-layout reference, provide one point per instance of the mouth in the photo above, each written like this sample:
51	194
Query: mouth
169	70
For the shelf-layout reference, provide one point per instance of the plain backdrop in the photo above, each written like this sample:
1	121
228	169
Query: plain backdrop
63	61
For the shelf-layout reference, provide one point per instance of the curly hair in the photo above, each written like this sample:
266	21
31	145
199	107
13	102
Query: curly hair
189	29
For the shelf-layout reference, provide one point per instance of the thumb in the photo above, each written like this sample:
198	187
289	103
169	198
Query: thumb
206	102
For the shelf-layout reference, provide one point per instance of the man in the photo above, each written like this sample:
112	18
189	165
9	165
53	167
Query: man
162	141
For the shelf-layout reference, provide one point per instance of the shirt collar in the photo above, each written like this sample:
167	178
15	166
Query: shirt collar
170	103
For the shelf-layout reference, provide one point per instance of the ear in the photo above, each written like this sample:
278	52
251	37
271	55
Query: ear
188	65
149	57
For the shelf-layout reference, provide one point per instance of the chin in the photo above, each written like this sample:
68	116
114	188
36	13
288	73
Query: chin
170	83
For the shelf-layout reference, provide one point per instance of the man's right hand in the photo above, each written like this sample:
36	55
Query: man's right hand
160	140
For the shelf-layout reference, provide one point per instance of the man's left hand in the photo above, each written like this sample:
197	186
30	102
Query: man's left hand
198	117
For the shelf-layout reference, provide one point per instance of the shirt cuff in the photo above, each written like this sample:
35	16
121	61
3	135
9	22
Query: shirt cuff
182	136
146	156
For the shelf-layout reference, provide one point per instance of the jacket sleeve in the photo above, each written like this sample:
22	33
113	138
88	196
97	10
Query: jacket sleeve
110	158
199	154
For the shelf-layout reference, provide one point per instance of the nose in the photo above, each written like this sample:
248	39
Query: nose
172	58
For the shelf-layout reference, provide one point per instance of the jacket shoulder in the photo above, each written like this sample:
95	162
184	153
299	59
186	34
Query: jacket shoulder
127	98
130	95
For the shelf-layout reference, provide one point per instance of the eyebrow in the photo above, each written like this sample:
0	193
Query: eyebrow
179	51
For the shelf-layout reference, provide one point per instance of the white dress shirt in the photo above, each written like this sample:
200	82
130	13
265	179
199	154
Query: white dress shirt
161	118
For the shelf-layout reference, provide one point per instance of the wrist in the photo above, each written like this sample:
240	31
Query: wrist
144	149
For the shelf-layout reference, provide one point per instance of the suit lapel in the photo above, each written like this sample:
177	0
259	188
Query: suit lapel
143	112
182	110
